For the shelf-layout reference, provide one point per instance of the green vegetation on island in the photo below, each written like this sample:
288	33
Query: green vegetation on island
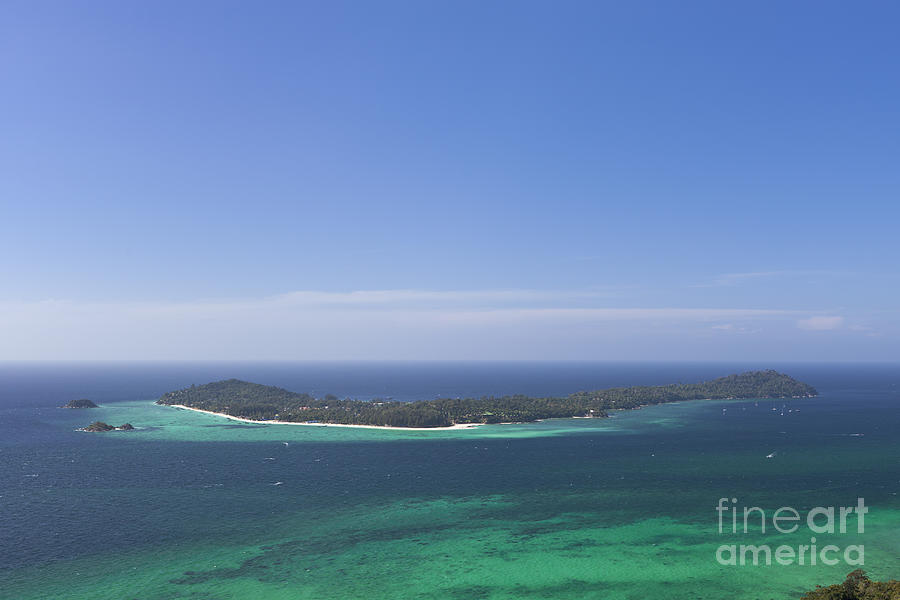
101	426
857	586
268	403
80	403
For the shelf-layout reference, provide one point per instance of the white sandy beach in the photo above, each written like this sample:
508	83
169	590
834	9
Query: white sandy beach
241	419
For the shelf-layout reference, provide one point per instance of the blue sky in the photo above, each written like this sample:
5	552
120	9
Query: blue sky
465	180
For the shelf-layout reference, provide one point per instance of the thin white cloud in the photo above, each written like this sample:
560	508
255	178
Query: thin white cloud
736	279
464	305
413	296
821	323
375	300
731	279
731	328
366	324
618	314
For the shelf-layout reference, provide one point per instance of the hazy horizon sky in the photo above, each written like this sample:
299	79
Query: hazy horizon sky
460	180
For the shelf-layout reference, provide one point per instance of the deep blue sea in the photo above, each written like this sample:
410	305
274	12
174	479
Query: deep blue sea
195	506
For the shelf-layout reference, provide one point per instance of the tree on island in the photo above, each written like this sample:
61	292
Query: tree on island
857	586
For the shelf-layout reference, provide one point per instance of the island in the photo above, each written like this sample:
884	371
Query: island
857	586
80	403
263	403
101	426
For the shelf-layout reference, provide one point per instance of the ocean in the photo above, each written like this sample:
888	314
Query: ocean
196	506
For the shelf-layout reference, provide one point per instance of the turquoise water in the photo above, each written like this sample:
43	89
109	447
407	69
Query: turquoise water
196	506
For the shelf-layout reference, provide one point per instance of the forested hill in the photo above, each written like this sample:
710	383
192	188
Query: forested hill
264	403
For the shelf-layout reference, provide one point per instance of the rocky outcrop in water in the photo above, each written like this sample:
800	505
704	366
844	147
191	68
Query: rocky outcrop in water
80	403
101	426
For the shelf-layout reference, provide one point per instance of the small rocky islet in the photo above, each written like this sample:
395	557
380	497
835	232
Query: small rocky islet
80	403
101	426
